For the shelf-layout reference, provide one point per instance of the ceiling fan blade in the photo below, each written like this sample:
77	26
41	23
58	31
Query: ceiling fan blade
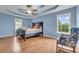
41	6
34	14
21	10
28	6
26	13
34	10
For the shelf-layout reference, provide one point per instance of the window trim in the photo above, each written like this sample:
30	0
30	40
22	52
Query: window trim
69	24
15	22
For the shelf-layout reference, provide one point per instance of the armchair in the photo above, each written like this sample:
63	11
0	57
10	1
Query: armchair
66	42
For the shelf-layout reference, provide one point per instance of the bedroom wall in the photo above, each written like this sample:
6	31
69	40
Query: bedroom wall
7	24
50	25
27	22
77	16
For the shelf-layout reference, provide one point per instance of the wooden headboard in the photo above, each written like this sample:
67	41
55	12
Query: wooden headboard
38	24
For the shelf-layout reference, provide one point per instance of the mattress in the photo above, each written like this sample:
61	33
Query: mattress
33	30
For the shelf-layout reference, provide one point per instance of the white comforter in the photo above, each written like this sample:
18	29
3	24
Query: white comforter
33	30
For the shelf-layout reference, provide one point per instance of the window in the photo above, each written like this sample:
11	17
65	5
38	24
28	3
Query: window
18	23
63	23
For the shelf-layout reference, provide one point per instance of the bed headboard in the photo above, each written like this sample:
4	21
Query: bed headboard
37	25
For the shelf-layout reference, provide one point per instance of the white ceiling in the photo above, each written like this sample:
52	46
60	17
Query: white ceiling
47	9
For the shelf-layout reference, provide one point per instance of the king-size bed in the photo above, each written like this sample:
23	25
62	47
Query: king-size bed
36	29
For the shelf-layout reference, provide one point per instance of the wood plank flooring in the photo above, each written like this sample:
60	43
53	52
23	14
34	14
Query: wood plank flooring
31	45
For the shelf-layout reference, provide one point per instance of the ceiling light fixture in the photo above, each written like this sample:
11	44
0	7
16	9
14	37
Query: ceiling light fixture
29	9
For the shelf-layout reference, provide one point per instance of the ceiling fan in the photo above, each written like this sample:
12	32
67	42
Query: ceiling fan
30	10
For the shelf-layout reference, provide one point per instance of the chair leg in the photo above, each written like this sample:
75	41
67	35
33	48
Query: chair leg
74	49
57	48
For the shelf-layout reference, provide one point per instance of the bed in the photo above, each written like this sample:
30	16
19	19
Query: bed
36	29
32	31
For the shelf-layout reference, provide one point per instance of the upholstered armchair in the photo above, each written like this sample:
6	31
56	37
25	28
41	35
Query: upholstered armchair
68	42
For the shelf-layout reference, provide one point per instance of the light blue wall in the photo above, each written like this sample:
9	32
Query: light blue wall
27	22
50	21
77	11
7	24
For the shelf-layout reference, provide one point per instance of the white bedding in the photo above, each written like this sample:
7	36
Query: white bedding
33	30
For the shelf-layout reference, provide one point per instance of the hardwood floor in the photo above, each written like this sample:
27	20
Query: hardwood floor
31	45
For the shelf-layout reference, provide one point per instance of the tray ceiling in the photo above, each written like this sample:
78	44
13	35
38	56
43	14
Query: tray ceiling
37	10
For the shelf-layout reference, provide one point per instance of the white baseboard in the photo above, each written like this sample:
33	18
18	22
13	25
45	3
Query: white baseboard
7	35
50	36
